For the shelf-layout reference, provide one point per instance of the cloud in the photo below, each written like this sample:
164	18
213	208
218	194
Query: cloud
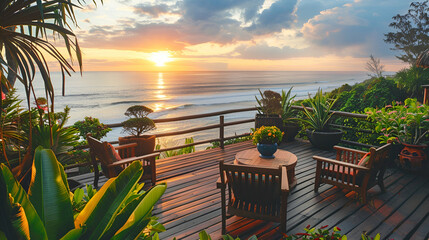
153	10
353	29
280	15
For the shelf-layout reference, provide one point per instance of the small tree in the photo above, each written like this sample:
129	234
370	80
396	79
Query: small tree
375	67
138	122
412	36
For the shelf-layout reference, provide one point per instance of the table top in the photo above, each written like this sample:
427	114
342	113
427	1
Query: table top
251	157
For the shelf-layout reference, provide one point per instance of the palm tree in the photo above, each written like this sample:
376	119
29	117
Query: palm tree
27	28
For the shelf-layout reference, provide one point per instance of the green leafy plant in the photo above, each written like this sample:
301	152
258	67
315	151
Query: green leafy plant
181	151
320	233
93	126
138	121
267	135
411	80
318	118
408	122
119	210
270	103
288	114
230	141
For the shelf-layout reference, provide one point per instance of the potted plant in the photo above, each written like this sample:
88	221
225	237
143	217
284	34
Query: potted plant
318	118
290	123
269	109
137	124
266	139
407	124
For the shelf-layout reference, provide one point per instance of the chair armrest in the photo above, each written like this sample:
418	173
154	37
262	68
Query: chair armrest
340	163
124	146
219	183
339	148
132	159
285	181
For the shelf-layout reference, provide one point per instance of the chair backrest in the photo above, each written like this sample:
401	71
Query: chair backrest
100	150
379	156
252	186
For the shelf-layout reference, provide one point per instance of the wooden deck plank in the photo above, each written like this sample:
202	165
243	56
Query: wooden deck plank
191	202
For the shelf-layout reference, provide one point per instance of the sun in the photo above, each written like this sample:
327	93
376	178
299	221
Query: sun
160	58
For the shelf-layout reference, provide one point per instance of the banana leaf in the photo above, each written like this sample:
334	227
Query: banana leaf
49	194
140	217
99	213
37	230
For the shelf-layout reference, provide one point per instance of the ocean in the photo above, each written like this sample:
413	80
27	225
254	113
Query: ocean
107	95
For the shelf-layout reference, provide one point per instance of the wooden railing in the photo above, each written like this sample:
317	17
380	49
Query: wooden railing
221	126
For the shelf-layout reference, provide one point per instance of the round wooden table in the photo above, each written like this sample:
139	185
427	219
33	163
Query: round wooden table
251	157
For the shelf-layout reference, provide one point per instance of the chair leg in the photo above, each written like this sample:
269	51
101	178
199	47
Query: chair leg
153	168
380	180
317	178
363	195
223	205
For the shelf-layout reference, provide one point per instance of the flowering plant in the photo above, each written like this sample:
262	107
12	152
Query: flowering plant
267	135
406	123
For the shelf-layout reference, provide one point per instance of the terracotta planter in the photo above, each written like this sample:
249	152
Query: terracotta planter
324	140
145	143
290	130
268	120
413	157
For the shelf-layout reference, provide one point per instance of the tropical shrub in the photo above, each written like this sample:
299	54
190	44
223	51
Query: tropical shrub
319	117
270	103
181	151
119	210
411	80
93	126
267	135
138	122
288	114
407	123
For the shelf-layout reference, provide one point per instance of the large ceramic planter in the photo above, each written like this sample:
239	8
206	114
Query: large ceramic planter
324	140
266	150
268	120
413	157
145	143
290	130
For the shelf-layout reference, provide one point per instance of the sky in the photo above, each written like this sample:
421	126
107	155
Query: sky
237	35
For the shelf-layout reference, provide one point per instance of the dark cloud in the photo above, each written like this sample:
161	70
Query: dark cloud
280	15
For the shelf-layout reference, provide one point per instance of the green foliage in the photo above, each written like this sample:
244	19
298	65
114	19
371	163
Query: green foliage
288	114
181	151
270	103
267	135
409	123
319	118
119	210
320	233
230	141
93	126
80	198
411	80
138	121
412	36
25	30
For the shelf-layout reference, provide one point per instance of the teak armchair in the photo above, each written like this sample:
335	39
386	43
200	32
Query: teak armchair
345	172
112	166
258	193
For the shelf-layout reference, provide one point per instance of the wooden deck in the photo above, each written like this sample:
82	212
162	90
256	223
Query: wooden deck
192	202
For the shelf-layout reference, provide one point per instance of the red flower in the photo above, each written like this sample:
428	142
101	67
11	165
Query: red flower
308	226
303	234
324	227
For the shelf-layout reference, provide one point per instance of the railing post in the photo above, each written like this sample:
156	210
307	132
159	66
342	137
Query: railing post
221	130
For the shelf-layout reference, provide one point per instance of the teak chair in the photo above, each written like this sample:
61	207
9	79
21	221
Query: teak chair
112	166
258	193
346	172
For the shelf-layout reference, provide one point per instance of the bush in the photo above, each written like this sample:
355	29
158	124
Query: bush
93	126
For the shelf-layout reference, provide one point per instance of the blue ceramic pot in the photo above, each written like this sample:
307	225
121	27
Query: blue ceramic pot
266	150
